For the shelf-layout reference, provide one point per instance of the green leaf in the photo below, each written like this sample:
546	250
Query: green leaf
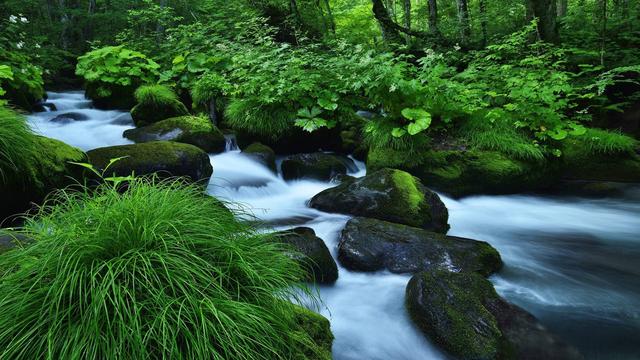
178	59
398	132
327	104
415	114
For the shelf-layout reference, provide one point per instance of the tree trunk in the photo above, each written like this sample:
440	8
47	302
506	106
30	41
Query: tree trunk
563	5
603	28
546	12
463	21
389	32
407	13
483	22
332	22
433	16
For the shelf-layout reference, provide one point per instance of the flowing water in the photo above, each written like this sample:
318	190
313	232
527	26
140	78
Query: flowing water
573	262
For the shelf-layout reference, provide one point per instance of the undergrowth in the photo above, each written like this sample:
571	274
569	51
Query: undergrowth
603	142
155	95
154	271
17	146
272	120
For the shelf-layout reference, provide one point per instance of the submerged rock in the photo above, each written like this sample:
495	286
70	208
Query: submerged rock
165	158
262	154
317	260
387	194
70	117
318	166
194	130
463	313
371	245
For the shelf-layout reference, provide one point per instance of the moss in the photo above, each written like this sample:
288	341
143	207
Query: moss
408	188
194	130
319	329
262	154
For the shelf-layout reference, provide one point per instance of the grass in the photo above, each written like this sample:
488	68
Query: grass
377	135
156	271
603	142
17	146
155	95
271	120
500	136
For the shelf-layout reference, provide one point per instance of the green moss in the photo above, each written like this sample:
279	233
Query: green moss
194	130
318	328
407	185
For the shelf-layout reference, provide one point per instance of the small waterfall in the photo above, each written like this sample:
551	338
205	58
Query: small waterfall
231	143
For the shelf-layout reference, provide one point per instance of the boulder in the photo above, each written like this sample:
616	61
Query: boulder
262	154
461	172
387	194
70	117
165	158
42	106
318	166
318	328
372	245
463	313
316	258
194	130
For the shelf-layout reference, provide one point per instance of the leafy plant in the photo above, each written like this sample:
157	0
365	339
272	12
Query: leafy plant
156	270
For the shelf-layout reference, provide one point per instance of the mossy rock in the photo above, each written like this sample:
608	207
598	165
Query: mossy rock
466	172
387	194
463	314
164	158
49	170
116	97
319	166
311	253
262	154
581	163
373	245
318	328
194	130
145	114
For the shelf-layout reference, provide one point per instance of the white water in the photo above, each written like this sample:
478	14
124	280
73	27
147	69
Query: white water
572	262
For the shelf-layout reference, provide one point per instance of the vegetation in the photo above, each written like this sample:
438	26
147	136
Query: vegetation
156	268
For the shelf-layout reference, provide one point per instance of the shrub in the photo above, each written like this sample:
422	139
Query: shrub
158	270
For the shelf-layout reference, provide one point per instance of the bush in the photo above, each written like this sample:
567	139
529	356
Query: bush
158	270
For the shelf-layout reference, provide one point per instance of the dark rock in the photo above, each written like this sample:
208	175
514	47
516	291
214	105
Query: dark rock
44	106
295	141
194	130
70	117
146	114
463	313
371	245
387	194
262	154
318	166
115	97
123	119
165	158
316	260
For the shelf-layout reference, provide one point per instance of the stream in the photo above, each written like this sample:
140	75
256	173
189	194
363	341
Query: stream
573	262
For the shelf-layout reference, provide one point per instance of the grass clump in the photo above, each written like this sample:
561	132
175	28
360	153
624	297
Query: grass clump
270	120
17	146
155	95
156	271
500	136
603	142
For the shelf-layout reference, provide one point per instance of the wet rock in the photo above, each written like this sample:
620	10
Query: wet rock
70	117
318	328
165	158
372	245
387	194
44	106
261	153
194	130
318	166
123	119
316	260
463	313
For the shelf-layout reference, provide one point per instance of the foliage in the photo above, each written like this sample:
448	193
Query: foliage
159	269
155	95
116	66
602	142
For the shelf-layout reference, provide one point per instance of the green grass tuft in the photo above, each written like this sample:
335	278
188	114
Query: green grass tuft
377	135
17	147
603	142
157	271
155	95
500	136
272	120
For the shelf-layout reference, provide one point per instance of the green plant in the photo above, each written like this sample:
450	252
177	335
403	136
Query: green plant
603	142
115	66
155	95
17	147
273	120
153	270
5	74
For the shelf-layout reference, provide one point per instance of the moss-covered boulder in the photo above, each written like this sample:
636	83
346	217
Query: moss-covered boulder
155	103
262	154
372	245
194	130
463	313
48	169
387	194
164	158
600	155
319	166
312	254
319	329
466	172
